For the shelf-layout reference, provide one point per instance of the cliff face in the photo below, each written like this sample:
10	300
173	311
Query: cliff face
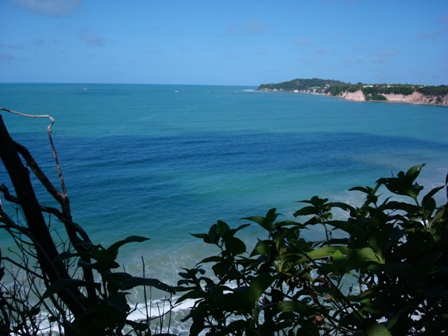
416	98
354	96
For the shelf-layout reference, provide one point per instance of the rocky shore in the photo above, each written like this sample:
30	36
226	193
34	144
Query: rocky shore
402	93
415	98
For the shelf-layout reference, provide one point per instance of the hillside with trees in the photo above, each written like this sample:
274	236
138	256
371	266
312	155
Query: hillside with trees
437	95
312	85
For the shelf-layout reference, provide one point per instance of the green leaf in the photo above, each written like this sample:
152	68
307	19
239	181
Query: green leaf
101	265
404	184
119	302
395	205
221	269
199	235
428	259
272	215
325	252
232	232
194	294
222	228
63	284
240	300
213	236
112	251
308	328
350	227
119	276
438	215
306	211
286	223
259	285
262	247
429	198
211	259
235	245
381	241
138	281
340	205
365	254
413	172
377	330
315	201
130	239
294	306
265	222
361	189
339	262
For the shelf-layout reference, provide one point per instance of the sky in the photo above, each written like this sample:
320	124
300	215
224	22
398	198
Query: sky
223	42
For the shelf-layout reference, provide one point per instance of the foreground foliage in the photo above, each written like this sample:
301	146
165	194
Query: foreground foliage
380	269
66	285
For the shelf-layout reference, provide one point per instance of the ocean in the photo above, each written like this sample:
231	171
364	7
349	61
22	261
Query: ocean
164	161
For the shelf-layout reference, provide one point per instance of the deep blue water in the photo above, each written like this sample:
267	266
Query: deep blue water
163	160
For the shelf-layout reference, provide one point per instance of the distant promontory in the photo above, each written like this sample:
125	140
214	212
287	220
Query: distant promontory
406	93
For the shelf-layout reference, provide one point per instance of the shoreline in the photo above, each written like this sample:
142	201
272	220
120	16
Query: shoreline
415	98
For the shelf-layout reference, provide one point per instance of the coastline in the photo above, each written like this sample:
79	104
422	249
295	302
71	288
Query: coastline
414	98
358	96
400	93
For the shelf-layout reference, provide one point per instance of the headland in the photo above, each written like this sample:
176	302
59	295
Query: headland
403	93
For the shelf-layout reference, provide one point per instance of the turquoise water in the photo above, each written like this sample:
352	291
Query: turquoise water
165	160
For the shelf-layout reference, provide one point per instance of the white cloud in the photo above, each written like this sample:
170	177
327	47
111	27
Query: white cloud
306	60
353	61
92	38
8	58
432	35
49	7
251	27
303	41
384	56
254	27
16	46
320	51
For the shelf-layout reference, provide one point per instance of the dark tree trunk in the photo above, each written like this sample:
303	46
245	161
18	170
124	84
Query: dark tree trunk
44	244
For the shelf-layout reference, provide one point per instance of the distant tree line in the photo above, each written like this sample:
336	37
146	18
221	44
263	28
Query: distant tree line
371	92
441	90
302	85
389	89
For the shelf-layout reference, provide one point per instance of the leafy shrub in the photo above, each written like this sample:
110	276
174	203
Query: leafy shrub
52	280
386	273
376	97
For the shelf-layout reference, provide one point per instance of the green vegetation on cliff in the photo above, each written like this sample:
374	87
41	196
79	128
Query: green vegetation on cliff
370	91
302	85
441	90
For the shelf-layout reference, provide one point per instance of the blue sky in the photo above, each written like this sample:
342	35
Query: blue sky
223	42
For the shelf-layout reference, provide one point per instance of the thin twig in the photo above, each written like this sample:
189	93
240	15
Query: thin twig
52	121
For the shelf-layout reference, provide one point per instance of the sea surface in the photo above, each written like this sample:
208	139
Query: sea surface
164	161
